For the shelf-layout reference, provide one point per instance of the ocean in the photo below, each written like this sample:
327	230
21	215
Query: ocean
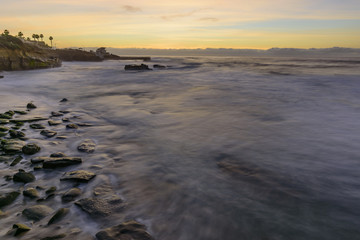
209	148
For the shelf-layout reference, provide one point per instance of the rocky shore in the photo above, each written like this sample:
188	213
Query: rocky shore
32	209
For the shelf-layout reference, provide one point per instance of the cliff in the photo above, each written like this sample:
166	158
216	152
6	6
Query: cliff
18	54
69	54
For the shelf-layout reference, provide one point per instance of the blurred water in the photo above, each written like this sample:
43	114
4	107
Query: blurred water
214	148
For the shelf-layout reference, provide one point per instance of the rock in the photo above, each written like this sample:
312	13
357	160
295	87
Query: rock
56	114
30	149
78	176
8	198
3	134
16	134
3	129
54	123
23	176
31	105
20	228
98	207
4	121
6	158
21	112
125	231
37	126
16	161
61	137
64	100
87	146
71	195
65	119
137	67
72	126
38	160
48	133
61	162
58	154
1	76
12	146
33	119
51	190
5	116
31	192
37	212
84	124
59	236
60	214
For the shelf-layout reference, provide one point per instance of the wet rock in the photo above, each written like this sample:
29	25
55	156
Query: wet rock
6	158
56	114
5	116
64	100
3	134
10	112
51	190
60	162
20	228
137	67
64	111
37	126
37	212
4	121
71	195
33	119
125	231
12	146
48	133
61	137
60	214
16	161
54	123
31	105
21	112
37	160
30	149
16	134
58	154
8	198
72	126
84	124
31	193
98	207
1	76
65	119
78	176
158	66
55	237
3	129
23	176
87	146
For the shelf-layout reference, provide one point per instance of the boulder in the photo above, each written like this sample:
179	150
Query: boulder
37	212
125	231
64	100
23	176
30	149
8	198
33	119
137	67
78	176
87	146
100	207
48	133
3	129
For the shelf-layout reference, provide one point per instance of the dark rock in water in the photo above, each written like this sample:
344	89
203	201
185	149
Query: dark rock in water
60	162
72	126
10	112
71	195
66	120
21	112
54	123
64	111
60	214
12	146
87	146
3	129
31	192
159	66
16	161
23	176
38	159
3	134
33	119
31	105
8	198
48	133
84	124
6	158
137	67
4	121
125	231
97	207
37	212
37	126
64	100
58	154
61	137
20	228
16	134
1	76
5	116
56	114
78	176
55	237
51	190
30	149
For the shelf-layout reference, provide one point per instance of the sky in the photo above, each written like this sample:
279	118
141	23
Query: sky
243	24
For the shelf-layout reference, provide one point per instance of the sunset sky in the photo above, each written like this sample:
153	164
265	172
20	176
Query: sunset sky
187	23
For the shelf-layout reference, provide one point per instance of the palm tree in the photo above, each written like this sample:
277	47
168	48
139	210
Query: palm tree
41	36
51	38
37	36
6	32
20	35
34	36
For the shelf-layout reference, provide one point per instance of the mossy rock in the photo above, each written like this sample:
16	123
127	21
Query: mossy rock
51	190
23	176
20	228
5	116
8	198
16	134
37	212
4	121
31	193
30	149
37	126
16	161
59	215
3	129
21	112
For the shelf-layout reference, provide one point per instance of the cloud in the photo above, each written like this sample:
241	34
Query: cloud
129	8
180	15
211	19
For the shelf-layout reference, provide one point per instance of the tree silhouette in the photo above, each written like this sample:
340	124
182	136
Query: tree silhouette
41	36
34	36
20	35
51	38
37	36
6	32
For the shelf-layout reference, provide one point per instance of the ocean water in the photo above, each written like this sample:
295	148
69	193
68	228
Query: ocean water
208	148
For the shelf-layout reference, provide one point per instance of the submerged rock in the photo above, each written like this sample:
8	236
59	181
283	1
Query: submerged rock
72	126
8	198
31	192
60	214
12	146
79	176
16	161
48	133
158	66
3	129
31	105
125	231
58	154
64	100
16	134
60	162
56	114
137	67
97	207
21	112
87	146
55	237
23	176
20	228
37	126
54	123
30	149
5	116
37	212
71	195
33	119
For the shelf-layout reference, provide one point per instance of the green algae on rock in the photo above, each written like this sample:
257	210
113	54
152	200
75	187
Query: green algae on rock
8	198
23	176
37	212
60	214
30	149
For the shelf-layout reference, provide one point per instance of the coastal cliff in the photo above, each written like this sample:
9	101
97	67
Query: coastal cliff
18	54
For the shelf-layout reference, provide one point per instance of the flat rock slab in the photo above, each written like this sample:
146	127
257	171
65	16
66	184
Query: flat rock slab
54	123
87	146
37	126
34	119
13	146
37	212
98	207
48	133
8	198
52	162
57	114
78	176
125	231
